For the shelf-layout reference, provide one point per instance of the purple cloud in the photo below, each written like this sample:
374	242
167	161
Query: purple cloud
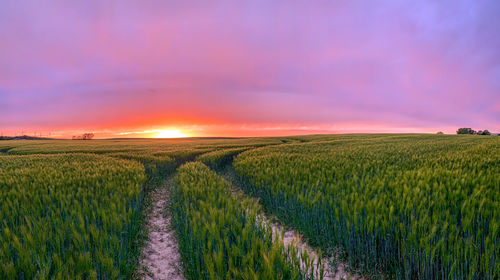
421	65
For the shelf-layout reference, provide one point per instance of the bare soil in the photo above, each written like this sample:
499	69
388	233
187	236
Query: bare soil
160	256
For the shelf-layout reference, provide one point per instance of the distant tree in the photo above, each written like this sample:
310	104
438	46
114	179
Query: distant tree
483	132
85	136
440	132
88	136
466	130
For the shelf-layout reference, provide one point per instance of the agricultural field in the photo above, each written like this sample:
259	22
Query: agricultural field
380	206
414	206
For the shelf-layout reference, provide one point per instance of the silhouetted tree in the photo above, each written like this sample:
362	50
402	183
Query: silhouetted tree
466	130
85	136
483	132
88	136
440	132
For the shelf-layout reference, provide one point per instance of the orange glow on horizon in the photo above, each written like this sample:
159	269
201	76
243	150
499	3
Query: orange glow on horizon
229	130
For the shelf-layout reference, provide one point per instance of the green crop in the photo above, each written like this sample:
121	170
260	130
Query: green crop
218	159
68	216
402	206
412	206
71	209
182	148
220	237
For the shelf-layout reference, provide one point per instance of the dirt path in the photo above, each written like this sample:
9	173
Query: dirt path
161	259
333	270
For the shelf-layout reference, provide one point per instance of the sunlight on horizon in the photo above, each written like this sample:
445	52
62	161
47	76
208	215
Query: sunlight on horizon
170	133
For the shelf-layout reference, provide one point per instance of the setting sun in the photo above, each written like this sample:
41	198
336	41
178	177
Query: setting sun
169	133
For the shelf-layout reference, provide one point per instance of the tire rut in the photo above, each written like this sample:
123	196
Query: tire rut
160	256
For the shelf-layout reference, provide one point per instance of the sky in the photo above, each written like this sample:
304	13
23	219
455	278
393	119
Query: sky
248	68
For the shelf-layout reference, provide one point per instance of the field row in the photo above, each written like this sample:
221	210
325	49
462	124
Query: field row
221	237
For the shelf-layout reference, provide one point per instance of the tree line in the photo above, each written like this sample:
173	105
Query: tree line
468	130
